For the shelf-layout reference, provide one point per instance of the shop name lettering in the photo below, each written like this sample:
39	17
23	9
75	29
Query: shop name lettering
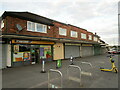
18	41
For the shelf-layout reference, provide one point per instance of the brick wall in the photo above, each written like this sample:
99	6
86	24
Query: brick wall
69	29
56	30
53	31
11	26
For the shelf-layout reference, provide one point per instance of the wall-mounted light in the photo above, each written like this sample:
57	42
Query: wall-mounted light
48	27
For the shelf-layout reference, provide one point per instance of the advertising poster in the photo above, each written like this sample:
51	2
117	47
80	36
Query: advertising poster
18	56
16	48
26	56
21	56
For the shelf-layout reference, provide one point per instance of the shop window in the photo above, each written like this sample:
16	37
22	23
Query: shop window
23	48
45	51
83	36
74	34
21	53
62	31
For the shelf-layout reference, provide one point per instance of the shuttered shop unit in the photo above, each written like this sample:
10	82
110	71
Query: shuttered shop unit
72	50
97	50
87	51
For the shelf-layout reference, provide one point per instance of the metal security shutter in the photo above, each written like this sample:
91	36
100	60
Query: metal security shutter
72	50
97	50
87	51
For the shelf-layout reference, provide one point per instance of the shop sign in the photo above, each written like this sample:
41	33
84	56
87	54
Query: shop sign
22	41
73	44
30	42
87	45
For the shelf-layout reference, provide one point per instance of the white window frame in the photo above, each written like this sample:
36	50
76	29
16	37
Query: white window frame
35	27
1	24
76	34
95	39
90	37
83	36
44	26
62	31
30	26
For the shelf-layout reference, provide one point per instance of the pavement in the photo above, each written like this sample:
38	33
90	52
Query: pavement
30	76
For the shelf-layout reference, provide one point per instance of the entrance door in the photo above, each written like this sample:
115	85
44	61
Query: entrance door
45	52
35	55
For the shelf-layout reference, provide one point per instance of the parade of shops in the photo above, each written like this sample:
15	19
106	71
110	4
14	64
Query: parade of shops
28	38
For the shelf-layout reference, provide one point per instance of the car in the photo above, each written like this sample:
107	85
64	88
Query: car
114	52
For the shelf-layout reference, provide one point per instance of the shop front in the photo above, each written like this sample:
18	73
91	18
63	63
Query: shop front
26	52
87	50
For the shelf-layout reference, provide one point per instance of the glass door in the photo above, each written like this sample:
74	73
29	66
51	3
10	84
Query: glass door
46	52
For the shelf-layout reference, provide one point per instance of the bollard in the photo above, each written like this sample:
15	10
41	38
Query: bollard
71	60
50	84
43	67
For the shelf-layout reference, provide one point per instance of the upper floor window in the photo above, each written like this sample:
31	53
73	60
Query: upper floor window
36	27
30	26
62	31
83	36
41	28
1	24
95	39
74	34
90	37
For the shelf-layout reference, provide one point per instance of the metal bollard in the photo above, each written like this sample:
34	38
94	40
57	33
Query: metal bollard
43	67
71	60
74	78
87	73
54	86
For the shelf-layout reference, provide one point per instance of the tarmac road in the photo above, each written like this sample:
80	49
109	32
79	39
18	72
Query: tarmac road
30	76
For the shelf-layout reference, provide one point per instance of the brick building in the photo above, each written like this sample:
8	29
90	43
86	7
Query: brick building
27	38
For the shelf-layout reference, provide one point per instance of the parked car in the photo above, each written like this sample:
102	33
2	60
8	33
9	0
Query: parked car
114	52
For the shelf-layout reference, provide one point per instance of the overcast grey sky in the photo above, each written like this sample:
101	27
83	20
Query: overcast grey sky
100	16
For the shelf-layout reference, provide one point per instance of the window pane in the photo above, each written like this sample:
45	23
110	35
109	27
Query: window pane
39	28
90	37
95	39
62	31
33	27
83	36
2	24
74	34
30	26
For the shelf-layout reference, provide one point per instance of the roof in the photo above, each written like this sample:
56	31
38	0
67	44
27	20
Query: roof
77	27
35	18
29	16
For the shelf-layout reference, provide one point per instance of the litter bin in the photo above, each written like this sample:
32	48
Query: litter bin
59	63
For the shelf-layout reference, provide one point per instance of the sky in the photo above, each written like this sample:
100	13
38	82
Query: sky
100	16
